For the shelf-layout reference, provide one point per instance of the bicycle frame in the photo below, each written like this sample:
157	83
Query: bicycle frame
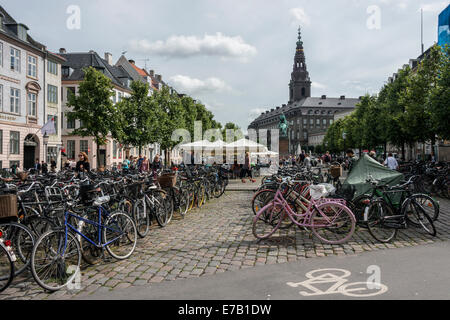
98	225
306	217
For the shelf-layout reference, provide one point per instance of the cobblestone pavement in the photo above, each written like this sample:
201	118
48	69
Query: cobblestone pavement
216	238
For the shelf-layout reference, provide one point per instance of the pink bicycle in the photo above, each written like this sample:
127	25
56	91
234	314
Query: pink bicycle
330	220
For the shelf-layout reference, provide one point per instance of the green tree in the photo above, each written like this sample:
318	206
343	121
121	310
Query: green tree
138	117
94	107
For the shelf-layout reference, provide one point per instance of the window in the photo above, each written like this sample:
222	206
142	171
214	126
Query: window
114	150
55	118
310	112
32	66
1	141
15	100
305	121
70	90
318	122
331	122
311	122
70	123
298	121
120	96
52	68
32	103
52	94
14	142
84	146
15	60
66	71
52	153
71	149
324	122
305	135
1	54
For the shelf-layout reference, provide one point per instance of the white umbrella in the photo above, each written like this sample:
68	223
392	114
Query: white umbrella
196	144
246	144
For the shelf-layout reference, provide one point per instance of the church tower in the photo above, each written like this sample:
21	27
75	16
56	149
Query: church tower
300	85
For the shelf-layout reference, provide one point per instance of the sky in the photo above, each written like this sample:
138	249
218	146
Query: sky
236	56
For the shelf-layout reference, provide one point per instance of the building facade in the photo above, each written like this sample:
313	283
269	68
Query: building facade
113	153
306	115
23	95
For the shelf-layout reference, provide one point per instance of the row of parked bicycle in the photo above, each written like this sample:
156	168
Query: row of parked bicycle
294	197
51	223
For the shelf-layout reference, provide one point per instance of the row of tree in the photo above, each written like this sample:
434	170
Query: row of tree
138	120
414	107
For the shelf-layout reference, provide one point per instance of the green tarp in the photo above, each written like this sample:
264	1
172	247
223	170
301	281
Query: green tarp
366	167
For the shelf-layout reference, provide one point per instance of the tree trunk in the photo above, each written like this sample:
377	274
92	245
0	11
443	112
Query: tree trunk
98	155
385	149
403	151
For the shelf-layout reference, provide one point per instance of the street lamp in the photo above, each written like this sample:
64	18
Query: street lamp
46	138
344	136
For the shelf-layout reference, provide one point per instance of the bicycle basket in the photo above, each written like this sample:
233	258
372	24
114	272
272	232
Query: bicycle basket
167	180
318	191
8	206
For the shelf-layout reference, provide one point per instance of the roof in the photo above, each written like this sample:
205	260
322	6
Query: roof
8	30
78	61
139	70
342	105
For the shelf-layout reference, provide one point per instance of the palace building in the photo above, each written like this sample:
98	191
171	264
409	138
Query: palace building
308	117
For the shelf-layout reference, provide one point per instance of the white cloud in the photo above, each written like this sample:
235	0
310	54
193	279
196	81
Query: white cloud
299	16
434	7
256	112
189	46
317	85
185	84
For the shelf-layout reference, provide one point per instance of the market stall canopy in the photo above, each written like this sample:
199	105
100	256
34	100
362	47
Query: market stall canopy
367	168
247	144
268	153
196	144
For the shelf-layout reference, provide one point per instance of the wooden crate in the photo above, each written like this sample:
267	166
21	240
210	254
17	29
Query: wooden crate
8	206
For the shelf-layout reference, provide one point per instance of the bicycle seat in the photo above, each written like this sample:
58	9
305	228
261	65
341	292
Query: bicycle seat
101	200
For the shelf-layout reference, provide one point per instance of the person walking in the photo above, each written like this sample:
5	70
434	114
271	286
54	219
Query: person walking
44	167
352	159
126	164
83	164
53	165
246	169
327	158
391	162
307	162
37	166
145	165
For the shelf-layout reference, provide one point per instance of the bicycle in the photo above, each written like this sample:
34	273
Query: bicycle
56	256
329	219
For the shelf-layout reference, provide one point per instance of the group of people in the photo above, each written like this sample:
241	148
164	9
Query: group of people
142	163
42	167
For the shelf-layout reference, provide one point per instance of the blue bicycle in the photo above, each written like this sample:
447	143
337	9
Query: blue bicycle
56	256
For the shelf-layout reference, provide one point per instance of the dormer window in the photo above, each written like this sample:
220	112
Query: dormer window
22	32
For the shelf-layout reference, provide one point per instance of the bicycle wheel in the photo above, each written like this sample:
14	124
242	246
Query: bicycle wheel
428	204
219	188
261	199
377	224
22	243
201	195
120	235
163	208
268	220
54	262
183	201
91	254
6	269
333	223
415	212
141	218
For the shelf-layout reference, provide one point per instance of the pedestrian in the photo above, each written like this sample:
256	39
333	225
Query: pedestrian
246	169
352	159
53	165
327	158
125	164
37	167
83	164
302	157
391	162
307	162
44	168
157	164
145	165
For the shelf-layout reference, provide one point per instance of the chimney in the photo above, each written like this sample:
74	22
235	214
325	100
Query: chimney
152	73
278	108
324	97
108	58
62	51
132	62
284	105
342	97
159	77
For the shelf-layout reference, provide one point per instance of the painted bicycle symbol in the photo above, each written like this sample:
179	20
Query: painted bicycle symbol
337	278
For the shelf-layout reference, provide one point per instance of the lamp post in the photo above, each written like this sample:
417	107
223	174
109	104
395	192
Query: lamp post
344	136
46	138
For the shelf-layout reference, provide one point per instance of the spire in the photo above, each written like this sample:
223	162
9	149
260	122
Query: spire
299	42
